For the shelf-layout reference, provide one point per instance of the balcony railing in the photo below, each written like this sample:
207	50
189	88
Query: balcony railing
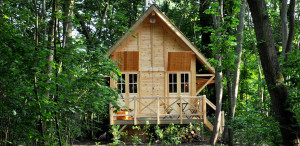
162	110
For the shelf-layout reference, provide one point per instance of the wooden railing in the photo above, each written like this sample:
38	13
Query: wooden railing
163	108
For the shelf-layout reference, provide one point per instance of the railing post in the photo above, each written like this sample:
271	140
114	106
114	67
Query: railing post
111	114
204	108
158	120
135	111
180	109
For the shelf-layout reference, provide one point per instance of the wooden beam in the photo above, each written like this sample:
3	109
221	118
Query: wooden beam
204	75
111	114
158	121
165	68
211	78
204	108
180	109
210	104
127	89
135	111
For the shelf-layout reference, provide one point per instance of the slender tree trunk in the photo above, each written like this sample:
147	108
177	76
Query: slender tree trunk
236	73
218	80
229	89
239	47
284	25
67	23
219	95
52	54
289	126
1	10
52	25
260	86
291	15
103	16
40	119
183	14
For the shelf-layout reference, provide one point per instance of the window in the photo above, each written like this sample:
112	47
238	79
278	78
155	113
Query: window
132	83
121	83
172	83
184	83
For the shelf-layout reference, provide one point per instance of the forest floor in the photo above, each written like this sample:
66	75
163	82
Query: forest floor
105	143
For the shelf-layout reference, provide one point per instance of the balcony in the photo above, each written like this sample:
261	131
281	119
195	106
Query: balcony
162	110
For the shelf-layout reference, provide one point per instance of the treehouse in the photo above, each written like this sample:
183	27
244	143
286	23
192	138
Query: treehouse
162	72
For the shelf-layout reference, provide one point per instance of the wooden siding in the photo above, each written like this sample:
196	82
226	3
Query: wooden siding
154	53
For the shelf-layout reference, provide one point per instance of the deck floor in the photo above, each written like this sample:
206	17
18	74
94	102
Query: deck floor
154	121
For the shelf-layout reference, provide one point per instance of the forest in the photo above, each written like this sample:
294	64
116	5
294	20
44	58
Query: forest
54	66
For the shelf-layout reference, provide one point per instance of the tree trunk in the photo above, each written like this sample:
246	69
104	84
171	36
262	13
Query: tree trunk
260	86
40	119
289	126
219	95
284	25
229	89
236	73
291	15
218	80
68	7
239	47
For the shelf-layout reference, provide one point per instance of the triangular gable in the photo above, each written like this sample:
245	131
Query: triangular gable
176	31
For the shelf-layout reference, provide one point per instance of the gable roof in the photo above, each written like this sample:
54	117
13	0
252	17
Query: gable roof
168	22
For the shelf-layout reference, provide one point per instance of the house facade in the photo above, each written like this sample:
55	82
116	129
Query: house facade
162	72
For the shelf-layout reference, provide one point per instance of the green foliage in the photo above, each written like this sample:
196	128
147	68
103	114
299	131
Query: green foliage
254	125
115	131
169	136
291	69
79	95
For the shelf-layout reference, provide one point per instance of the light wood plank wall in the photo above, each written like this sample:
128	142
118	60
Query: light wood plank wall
154	41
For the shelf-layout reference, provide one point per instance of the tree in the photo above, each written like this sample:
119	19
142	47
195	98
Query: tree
289	126
233	94
218	20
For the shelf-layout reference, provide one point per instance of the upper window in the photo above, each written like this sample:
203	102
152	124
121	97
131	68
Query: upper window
121	83
184	83
172	83
132	83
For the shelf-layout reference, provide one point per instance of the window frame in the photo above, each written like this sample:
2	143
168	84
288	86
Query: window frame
134	83
173	83
122	81
184	82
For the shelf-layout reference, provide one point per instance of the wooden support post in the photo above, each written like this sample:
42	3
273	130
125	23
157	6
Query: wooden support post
111	114
180	109
204	108
158	120
135	111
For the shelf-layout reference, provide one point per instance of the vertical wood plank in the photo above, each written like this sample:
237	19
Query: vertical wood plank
127	89
137	108
158	120
180	109
140	50
135	111
204	108
111	116
166	100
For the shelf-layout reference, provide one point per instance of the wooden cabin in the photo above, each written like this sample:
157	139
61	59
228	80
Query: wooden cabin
162	72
